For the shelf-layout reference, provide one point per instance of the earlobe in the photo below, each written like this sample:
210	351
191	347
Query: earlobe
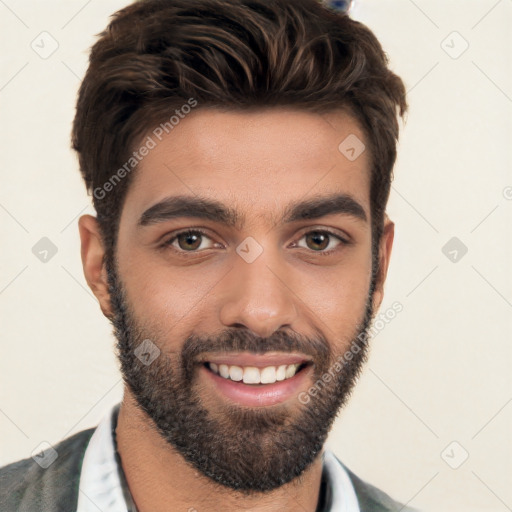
92	252
385	248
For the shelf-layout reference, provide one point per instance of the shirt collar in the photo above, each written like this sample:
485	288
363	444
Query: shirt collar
103	484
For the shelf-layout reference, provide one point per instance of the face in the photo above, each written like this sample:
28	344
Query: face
233	304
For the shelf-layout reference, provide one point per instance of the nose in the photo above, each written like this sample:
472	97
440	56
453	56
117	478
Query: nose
256	296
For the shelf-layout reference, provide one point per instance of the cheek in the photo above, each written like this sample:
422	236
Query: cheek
338	295
339	298
168	297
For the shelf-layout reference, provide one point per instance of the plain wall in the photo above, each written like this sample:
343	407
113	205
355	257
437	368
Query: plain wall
438	373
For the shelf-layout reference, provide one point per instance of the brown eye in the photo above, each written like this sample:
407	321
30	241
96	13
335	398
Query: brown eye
320	240
187	241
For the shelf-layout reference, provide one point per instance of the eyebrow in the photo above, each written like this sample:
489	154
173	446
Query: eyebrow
210	209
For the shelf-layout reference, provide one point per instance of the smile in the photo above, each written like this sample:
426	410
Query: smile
254	375
257	380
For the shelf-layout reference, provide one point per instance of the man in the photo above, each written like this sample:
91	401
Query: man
239	154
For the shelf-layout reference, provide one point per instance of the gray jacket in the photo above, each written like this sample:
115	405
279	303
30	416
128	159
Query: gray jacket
26	487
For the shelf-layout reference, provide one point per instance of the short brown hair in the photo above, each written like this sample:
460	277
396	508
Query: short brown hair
155	55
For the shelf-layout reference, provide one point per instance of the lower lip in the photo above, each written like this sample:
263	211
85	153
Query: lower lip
253	395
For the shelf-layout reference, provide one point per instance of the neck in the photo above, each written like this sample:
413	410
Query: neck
158	476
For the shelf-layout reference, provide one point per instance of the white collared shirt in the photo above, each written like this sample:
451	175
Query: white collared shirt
101	476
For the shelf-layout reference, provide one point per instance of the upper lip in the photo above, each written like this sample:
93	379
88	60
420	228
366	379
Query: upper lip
257	360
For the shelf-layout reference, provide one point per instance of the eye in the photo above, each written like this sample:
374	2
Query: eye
188	241
319	240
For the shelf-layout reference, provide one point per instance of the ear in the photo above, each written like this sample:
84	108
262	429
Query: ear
92	252
385	246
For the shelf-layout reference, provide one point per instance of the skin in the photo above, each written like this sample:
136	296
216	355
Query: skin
255	162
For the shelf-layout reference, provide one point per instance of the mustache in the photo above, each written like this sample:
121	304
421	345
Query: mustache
244	340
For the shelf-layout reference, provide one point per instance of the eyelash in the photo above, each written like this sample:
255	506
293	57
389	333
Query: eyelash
195	231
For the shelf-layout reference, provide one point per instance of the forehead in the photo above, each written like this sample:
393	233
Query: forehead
259	161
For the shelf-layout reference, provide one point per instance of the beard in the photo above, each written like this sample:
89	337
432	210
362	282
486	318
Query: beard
250	450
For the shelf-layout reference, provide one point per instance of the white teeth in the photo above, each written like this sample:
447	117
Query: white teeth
223	370
253	375
236	373
268	375
281	372
290	371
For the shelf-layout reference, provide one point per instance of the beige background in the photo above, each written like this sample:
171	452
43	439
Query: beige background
438	373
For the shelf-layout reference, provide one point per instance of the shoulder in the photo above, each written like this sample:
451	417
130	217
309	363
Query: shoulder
372	499
26	485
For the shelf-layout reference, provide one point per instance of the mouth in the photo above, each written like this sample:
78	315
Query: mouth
257	380
256	376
